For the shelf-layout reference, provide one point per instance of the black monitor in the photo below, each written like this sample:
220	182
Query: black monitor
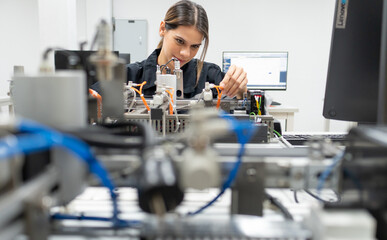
351	92
125	56
73	59
265	70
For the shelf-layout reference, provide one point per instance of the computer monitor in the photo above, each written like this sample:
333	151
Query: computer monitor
125	56
265	70
64	60
351	92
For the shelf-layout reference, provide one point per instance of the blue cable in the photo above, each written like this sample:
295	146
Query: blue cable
47	138
24	144
43	138
77	147
82	217
323	177
225	185
244	131
244	102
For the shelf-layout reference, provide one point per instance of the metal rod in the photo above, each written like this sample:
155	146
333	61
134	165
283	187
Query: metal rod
254	150
12	204
382	101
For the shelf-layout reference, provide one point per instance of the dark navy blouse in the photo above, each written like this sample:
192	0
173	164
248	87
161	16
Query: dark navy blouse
146	71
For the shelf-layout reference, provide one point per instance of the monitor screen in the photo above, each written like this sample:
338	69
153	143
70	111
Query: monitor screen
265	70
351	92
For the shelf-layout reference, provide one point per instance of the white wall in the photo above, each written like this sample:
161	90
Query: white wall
301	27
67	23
57	21
19	23
96	10
30	26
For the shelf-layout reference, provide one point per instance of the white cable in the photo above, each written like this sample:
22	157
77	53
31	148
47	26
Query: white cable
134	97
285	142
200	96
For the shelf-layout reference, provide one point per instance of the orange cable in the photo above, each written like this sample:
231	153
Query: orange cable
217	89
142	98
219	95
135	89
170	104
96	95
218	103
142	85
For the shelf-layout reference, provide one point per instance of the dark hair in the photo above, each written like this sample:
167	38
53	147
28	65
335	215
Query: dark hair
187	13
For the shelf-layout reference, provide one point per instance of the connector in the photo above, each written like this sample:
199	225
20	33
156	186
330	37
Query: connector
158	71
202	173
207	93
158	99
131	84
177	64
45	67
179	80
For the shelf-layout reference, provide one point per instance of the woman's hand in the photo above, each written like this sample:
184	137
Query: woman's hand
234	82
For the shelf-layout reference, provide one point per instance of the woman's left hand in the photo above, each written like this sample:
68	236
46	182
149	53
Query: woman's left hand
234	82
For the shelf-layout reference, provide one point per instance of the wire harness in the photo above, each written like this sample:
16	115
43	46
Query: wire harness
139	93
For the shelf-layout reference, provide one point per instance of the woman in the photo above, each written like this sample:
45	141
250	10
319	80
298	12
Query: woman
183	30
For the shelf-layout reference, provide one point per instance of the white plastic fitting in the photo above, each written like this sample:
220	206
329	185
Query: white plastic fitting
200	170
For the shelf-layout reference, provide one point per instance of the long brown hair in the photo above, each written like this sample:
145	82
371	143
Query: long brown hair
187	13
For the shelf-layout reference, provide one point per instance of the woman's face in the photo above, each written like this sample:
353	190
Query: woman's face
182	43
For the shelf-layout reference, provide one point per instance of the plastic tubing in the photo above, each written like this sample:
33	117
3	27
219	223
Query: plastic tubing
78	148
217	89
244	131
96	95
23	144
134	97
170	104
142	98
219	95
141	86
325	174
226	184
123	223
41	138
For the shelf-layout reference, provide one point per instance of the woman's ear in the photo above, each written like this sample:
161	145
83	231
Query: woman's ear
162	29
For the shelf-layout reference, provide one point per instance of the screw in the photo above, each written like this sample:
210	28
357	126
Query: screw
251	174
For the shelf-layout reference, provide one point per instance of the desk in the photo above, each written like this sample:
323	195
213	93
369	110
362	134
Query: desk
285	115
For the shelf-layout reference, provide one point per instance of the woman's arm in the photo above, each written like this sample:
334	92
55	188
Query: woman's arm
234	82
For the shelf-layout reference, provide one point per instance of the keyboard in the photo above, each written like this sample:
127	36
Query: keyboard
301	139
